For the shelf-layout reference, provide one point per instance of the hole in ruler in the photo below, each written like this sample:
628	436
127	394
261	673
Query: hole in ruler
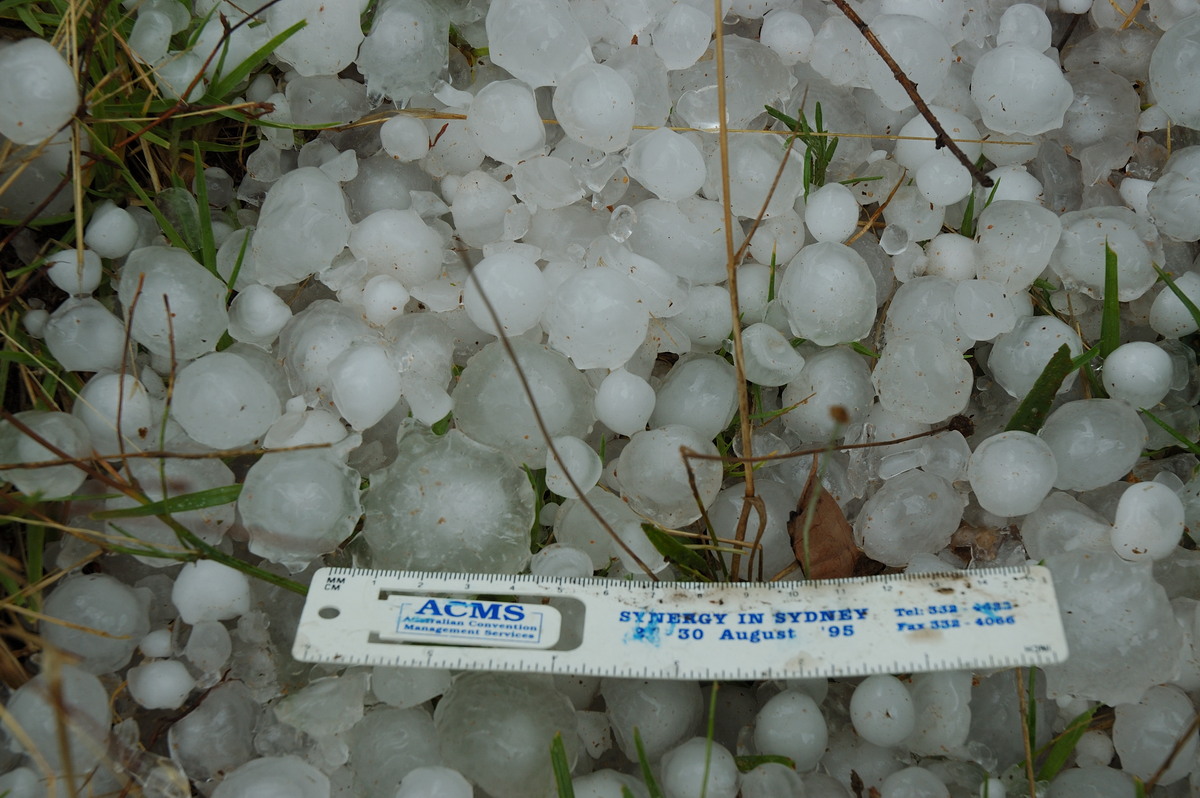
328	613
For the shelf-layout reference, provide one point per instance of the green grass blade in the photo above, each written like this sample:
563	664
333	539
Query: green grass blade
1110	321
709	734
222	88
670	547
793	124
745	764
652	787
213	497
1034	408
182	212
168	230
1182	297
562	768
1191	446
208	244
967	227
1064	745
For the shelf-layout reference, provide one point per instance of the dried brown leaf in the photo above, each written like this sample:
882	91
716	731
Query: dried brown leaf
830	552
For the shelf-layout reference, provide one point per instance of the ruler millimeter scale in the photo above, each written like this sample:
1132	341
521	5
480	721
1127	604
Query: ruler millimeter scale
968	620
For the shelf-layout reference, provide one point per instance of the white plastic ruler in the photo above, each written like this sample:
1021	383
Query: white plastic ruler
970	620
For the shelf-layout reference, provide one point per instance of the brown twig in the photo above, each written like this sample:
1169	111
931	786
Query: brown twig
942	138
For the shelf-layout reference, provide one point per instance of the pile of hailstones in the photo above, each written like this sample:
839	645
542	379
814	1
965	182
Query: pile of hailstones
348	312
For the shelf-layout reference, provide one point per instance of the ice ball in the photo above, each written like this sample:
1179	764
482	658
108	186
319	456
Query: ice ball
38	91
594	105
1095	442
399	244
546	182
686	237
667	163
1139	373
222	401
537	42
256	315
787	33
1020	90
1079	258
920	50
405	138
83	335
654	478
913	781
65	432
624	402
913	513
1011	473
683	36
75	271
387	745
366	385
983	309
831	213
925	305
779	501
1016	241
664	713
514	285
298	505
274	776
829	293
770	359
699	767
833	390
160	684
302	226
210	591
448	503
579	460
490	404
71	702
922	378
406	49
434	782
791	725
180	310
881	710
102	603
495	729
505	121
700	391
920	144
1173	202
595	319
1019	357
1148	523
1173	67
1145	734
1171	318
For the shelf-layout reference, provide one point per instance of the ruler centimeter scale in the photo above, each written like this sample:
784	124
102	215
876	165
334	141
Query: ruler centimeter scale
968	620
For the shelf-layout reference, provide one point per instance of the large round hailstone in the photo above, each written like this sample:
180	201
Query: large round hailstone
1019	90
405	138
791	725
302	226
274	776
579	463
102	603
881	710
919	49
918	141
38	92
594	105
366	385
222	401
78	272
789	34
699	391
1019	357
514	285
667	163
654	478
403	56
753	172
770	359
113	404
435	782
546	182
494	728
687	238
399	244
83	335
925	305
829	294
624	402
943	180
1169	317
210	591
538	42
159	278
491	407
1144	734
505	121
68	701
448	503
479	207
595	319
313	338
1080	255
297	506
1016	240
780	503
575	526
1095	442
1173	68
914	513
831	213
1011	473
983	309
663	712
921	378
700	767
65	432
1174	201
1148	523
160	684
1139	373
832	392
683	36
